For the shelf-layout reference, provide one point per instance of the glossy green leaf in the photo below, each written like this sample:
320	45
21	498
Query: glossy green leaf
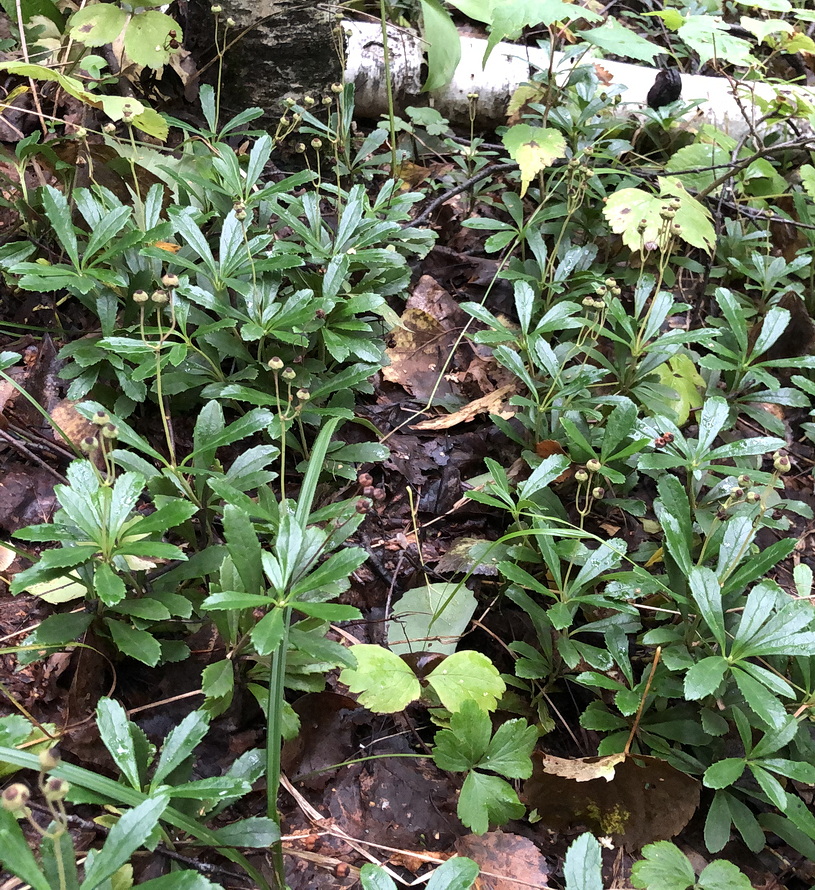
723	875
268	632
663	866
180	880
485	800
115	731
704	677
126	836
373	877
58	858
724	773
138	644
764	703
329	611
218	679
16	855
226	600
108	585
707	595
673	512
256	831
204	789
179	745
244	548
458	873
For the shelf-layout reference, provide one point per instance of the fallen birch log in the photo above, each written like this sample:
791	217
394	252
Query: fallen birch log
511	65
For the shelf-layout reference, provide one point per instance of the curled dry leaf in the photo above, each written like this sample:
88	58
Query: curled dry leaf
494	402
6	557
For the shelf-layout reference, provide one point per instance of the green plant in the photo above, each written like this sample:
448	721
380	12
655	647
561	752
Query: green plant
106	547
666	867
701	461
469	746
739	362
457	873
141	824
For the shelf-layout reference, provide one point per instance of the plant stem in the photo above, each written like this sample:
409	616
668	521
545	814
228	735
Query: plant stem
274	741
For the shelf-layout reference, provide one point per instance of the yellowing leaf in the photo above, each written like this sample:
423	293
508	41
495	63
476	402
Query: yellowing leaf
680	374
58	590
467	676
639	217
146	119
533	148
98	24
384	682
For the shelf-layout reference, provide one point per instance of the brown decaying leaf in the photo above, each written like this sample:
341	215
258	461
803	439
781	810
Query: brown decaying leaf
418	354
75	426
635	799
492	403
605	77
499	853
548	447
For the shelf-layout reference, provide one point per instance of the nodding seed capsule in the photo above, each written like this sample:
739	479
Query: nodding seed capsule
140	296
275	363
15	797
288	374
594	465
49	759
55	789
581	476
